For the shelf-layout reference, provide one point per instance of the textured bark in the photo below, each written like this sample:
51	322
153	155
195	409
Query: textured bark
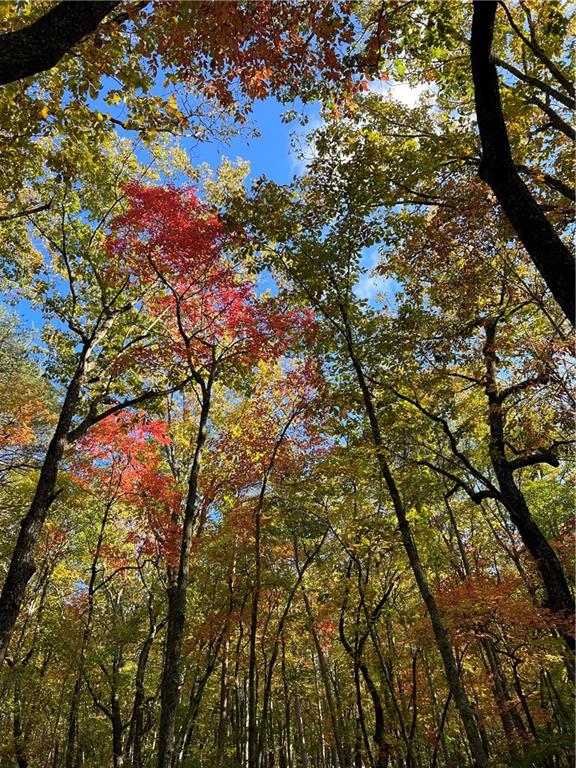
22	566
171	675
550	255
40	46
559	597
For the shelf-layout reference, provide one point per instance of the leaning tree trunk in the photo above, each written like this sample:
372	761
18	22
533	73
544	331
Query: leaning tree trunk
22	566
550	255
440	634
559	597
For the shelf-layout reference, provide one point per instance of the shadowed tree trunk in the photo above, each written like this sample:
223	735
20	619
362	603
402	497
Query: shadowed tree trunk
559	597
550	255
171	675
40	46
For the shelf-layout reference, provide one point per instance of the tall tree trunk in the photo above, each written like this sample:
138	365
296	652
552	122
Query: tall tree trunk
327	683
223	714
450	666
22	566
78	683
550	255
559	597
300	729
171	674
117	731
136	729
17	728
225	687
252	667
253	737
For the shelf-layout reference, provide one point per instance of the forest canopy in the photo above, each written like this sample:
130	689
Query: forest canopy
286	433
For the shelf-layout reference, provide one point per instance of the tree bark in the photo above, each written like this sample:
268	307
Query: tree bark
440	634
550	255
171	675
40	46
22	566
559	597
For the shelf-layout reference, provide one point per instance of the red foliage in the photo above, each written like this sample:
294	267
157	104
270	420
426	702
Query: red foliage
258	48
475	606
122	456
171	245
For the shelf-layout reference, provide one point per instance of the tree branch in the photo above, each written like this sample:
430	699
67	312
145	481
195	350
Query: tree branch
40	46
550	255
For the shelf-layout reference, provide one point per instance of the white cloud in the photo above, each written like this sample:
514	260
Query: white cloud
374	288
405	93
302	146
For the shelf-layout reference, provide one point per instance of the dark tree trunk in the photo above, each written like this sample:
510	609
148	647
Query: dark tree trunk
252	668
171	675
117	731
17	729
440	634
22	566
40	46
86	636
559	597
137	729
550	255
382	752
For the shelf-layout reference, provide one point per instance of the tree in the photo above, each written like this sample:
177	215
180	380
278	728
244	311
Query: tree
40	45
215	325
98	336
550	255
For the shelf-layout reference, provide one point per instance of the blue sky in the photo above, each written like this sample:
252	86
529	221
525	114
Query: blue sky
272	153
269	154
